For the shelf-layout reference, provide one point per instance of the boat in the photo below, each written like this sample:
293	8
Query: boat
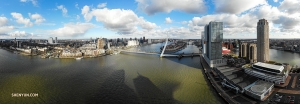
78	58
225	50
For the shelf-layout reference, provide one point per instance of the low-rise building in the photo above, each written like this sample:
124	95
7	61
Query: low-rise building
272	73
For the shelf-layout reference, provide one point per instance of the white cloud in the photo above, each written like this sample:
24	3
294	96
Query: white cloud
63	9
290	6
151	7
34	2
168	20
4	27
38	18
19	34
72	29
236	6
119	20
3	21
21	20
102	5
275	1
77	17
76	5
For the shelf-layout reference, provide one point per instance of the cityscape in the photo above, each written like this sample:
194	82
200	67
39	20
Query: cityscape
115	53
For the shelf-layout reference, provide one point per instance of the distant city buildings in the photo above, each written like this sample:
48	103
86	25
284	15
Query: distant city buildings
50	40
213	35
149	41
132	43
100	43
56	40
263	40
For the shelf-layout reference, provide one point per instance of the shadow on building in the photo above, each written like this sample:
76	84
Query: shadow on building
115	91
150	94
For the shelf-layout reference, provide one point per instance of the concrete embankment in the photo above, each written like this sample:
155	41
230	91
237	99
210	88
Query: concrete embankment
218	91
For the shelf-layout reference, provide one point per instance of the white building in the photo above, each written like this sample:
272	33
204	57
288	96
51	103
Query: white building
132	43
268	72
50	40
149	41
56	40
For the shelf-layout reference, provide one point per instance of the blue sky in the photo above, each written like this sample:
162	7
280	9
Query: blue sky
82	19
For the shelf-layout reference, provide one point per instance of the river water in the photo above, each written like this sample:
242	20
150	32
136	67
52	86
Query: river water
122	78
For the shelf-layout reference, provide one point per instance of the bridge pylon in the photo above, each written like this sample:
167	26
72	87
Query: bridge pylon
162	52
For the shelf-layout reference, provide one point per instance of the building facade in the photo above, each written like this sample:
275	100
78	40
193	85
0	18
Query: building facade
50	40
213	33
262	40
56	40
101	43
252	52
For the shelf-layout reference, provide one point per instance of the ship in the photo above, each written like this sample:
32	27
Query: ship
225	50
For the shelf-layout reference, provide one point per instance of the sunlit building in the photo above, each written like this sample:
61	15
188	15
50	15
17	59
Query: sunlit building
50	40
101	43
263	40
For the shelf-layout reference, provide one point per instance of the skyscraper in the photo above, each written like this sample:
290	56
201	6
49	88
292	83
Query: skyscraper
213	35
55	39
101	43
262	40
50	40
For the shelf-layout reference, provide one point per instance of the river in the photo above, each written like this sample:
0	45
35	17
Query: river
122	78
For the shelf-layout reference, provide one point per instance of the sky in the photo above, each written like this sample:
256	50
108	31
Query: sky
182	19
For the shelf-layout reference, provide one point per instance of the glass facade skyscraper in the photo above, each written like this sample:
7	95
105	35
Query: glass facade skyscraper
213	37
214	34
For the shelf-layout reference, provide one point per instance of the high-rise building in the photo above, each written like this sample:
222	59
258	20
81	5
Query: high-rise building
203	42
50	40
252	53
214	36
55	39
263	40
149	41
101	43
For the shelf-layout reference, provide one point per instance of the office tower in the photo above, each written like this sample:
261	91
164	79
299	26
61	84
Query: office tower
55	39
214	36
101	43
144	40
243	50
262	40
50	40
203	42
252	53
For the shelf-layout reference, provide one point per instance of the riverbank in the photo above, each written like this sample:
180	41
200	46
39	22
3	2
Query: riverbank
213	83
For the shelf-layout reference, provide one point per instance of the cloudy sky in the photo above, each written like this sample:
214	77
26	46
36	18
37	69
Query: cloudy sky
82	19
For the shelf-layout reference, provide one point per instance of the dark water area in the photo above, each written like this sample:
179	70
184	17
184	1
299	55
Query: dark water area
122	78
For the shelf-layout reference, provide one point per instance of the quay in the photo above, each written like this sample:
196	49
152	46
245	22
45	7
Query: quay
225	93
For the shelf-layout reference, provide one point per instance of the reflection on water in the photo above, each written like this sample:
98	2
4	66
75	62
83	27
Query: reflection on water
119	78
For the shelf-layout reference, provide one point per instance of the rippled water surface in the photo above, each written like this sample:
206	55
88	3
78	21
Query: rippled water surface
122	78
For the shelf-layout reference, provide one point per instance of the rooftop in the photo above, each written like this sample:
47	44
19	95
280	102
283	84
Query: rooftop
259	87
270	66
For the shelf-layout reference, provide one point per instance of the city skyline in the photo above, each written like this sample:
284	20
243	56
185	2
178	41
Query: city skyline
38	19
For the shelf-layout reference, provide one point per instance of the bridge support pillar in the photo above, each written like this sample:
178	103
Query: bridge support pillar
162	52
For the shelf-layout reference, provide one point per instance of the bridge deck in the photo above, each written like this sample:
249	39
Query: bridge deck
168	55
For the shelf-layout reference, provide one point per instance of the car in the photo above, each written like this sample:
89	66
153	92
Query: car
277	100
288	96
280	96
291	102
